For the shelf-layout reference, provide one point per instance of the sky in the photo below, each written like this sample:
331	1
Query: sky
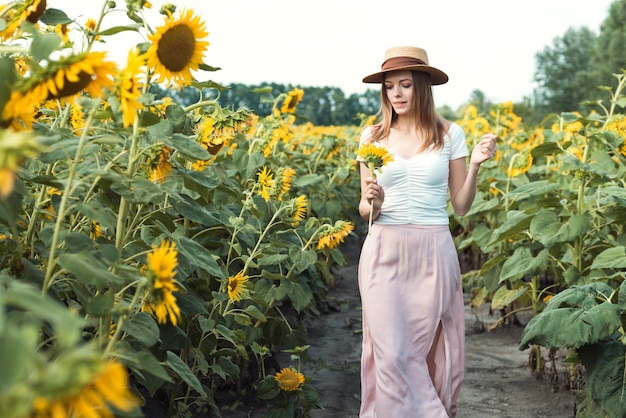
486	45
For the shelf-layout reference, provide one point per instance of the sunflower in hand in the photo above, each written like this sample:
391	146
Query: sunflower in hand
375	158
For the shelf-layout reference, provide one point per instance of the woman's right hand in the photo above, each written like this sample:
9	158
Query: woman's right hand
374	192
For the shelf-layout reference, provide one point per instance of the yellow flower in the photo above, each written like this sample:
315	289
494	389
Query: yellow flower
90	28
237	287
286	176
294	97
299	209
162	169
520	163
290	379
175	48
108	388
162	303
334	236
266	182
71	76
7	182
130	87
96	230
63	31
15	147
375	157
162	261
19	12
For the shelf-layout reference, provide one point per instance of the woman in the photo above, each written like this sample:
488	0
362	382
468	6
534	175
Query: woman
409	277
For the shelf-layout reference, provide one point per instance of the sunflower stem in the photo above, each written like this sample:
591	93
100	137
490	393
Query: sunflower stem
369	224
64	202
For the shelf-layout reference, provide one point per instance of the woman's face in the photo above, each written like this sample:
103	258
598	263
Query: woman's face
399	89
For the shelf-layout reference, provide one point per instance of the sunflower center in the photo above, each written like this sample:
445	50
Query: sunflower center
72	87
38	12
176	47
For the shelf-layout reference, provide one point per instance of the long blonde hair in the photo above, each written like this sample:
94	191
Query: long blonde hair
428	124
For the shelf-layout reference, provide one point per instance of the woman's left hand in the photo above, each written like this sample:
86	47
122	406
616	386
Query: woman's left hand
484	150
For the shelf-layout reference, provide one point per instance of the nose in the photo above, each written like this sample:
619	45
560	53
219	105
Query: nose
396	91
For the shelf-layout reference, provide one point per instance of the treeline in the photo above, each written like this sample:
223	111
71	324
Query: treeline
574	74
322	106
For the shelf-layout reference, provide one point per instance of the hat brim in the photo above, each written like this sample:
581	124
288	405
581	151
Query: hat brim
436	76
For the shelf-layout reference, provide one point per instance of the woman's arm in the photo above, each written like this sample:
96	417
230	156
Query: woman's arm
462	180
370	189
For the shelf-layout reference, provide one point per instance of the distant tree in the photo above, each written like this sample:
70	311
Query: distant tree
563	72
609	55
479	100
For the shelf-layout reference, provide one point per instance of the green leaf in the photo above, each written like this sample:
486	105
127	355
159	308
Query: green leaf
255	313
101	305
17	348
117	29
611	258
200	256
145	361
571	327
143	328
505	296
523	262
54	17
42	45
546	228
309	180
177	116
188	147
516	223
88	269
605	380
302	259
188	208
182	369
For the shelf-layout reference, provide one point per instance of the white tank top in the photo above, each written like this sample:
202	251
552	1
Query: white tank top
416	189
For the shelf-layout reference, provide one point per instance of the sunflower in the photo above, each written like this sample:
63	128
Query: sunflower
266	183
162	303
19	12
294	97
334	236
63	31
520	163
162	169
96	230
162	261
237	287
15	148
290	379
107	388
130	87
90	29
299	210
88	73
175	50
374	157
286	176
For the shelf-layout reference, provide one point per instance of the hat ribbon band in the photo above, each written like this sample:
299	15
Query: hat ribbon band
398	62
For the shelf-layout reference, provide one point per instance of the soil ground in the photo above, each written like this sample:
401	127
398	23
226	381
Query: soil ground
498	381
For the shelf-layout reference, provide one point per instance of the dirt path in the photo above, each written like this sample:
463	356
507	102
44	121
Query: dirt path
498	382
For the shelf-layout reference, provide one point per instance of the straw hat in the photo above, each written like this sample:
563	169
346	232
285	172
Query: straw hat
407	58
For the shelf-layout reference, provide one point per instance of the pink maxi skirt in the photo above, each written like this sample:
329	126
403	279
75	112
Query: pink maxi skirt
412	362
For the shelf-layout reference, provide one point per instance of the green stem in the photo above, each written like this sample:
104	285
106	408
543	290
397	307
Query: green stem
64	202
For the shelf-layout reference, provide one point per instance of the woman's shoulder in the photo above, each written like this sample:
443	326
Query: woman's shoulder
367	134
454	129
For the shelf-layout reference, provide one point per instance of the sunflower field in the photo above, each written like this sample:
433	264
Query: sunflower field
159	254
